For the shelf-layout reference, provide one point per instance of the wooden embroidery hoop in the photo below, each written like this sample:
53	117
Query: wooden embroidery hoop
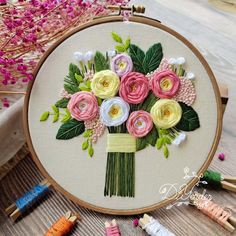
157	24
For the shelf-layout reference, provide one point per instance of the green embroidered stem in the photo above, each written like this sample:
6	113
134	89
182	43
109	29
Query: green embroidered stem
120	171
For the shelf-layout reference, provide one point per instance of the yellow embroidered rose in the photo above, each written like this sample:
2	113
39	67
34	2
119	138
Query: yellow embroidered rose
166	113
105	84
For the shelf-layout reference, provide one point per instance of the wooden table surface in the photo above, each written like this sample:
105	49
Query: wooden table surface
213	32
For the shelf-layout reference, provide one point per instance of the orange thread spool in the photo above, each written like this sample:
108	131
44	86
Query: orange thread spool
61	227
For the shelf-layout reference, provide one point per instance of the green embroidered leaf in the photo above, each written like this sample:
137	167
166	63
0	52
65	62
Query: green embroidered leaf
79	78
88	83
55	117
71	89
87	133
137	56
148	102
66	116
152	58
120	48
116	37
62	103
141	143
82	87
85	145
100	62
127	43
70	129
44	116
99	101
55	109
189	120
74	69
90	150
159	143
166	140
151	138
166	151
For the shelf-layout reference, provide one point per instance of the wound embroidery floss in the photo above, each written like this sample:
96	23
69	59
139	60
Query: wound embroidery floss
218	181
153	227
27	200
63	226
213	211
112	228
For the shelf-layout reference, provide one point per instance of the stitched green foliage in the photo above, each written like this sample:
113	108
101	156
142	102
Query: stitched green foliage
121	46
66	116
151	139
44	116
101	63
74	69
189	120
71	89
148	102
137	55
152	58
70	129
56	113
146	63
163	141
62	103
116	37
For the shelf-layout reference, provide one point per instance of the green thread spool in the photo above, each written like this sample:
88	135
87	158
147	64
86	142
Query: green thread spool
212	178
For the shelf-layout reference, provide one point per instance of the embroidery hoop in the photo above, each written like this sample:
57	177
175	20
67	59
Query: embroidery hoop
190	184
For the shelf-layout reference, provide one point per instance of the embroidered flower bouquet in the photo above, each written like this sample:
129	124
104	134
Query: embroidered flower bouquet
141	98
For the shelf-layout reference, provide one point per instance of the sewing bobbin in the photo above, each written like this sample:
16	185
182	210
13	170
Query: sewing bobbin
64	225
214	211
27	200
112	228
153	227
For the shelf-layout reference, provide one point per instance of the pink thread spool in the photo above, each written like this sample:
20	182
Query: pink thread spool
112	228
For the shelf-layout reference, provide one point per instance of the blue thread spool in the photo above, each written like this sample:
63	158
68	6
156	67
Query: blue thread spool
30	197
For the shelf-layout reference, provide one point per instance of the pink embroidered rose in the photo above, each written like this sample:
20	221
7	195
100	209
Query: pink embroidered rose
139	123
134	87
165	84
83	106
121	64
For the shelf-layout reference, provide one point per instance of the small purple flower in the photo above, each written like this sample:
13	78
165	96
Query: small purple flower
121	64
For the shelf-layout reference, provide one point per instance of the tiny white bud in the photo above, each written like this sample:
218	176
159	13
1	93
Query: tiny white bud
111	53
88	56
78	56
176	141
190	76
182	136
180	61
172	61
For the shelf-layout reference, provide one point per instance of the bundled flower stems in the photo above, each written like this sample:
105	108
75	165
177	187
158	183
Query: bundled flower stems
28	199
217	180
112	228
153	227
64	225
28	28
214	211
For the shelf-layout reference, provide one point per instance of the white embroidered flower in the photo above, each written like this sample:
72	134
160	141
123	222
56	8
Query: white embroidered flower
179	139
182	136
172	61
180	61
114	111
111	53
190	76
78	56
88	56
